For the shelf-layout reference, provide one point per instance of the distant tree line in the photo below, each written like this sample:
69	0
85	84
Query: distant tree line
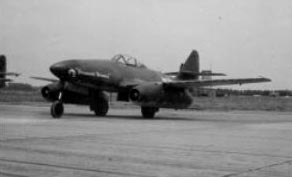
254	92
20	87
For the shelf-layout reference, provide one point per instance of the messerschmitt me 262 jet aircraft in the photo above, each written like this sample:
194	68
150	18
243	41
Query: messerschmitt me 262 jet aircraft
85	81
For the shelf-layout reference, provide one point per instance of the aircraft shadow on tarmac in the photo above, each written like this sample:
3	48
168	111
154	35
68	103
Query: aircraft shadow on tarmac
172	117
197	118
126	117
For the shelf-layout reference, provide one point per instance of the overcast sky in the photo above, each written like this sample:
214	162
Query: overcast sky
242	38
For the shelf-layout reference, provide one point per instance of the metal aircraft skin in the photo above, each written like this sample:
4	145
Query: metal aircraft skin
3	72
86	81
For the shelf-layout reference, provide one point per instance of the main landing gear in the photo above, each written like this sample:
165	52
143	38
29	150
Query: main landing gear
149	112
100	106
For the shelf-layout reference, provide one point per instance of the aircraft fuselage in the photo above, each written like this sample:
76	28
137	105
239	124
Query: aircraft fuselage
108	73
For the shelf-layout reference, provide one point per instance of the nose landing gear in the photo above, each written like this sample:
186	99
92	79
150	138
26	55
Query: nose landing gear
57	108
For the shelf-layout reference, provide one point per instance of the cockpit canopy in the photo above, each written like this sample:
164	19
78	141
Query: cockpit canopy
127	60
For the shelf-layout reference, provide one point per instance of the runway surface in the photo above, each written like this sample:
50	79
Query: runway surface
182	143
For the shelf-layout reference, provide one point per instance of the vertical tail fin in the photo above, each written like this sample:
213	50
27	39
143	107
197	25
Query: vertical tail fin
2	70
191	68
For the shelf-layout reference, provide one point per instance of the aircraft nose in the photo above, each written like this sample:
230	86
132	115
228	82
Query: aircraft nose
58	69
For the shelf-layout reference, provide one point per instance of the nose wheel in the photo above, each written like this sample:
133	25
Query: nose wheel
57	108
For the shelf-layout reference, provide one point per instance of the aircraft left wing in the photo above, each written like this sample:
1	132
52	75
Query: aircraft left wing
217	82
44	79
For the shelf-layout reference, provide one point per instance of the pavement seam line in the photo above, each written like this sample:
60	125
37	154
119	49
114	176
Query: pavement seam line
11	175
259	168
72	168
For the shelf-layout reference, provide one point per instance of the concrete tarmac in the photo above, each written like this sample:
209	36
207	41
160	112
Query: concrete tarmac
175	143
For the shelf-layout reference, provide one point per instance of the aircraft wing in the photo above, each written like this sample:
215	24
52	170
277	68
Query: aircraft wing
195	74
5	80
44	79
10	74
217	82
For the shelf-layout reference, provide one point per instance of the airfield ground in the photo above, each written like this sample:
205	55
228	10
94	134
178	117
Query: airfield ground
182	143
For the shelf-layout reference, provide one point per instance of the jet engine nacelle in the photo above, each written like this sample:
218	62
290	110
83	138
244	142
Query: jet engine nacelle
145	92
70	93
155	95
51	91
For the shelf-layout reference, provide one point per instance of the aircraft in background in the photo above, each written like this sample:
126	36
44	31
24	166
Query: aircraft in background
86	81
3	72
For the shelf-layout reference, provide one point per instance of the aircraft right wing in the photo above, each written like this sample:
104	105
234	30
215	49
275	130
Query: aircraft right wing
217	82
195	74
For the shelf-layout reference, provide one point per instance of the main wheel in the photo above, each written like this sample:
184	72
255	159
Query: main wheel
57	109
100	107
148	112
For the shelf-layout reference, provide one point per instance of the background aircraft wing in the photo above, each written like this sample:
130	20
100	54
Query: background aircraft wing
217	82
9	74
5	80
44	79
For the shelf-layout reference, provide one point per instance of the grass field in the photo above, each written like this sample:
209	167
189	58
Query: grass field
20	96
200	103
243	103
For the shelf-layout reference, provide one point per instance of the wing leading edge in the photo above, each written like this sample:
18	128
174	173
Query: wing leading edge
44	79
217	82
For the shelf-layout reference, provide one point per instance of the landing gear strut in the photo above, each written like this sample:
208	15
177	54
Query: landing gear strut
57	108
149	112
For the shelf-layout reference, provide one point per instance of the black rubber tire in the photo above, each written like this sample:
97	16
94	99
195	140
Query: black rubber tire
148	112
57	109
101	107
